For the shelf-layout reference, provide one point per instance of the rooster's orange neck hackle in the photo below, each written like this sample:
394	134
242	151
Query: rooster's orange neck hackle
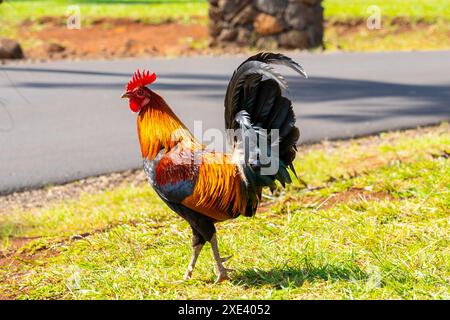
159	127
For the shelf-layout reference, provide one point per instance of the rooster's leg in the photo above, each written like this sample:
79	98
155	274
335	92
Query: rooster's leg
222	272
197	244
195	253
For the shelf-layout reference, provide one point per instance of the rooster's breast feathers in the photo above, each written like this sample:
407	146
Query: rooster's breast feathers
208	183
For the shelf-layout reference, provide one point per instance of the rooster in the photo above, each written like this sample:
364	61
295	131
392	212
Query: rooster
206	187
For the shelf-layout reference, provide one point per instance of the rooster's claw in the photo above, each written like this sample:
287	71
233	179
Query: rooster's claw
223	275
226	258
187	275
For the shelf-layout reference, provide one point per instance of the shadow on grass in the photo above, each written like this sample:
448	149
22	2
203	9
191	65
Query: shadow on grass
286	277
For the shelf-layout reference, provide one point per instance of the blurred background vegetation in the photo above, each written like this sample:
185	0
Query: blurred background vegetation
413	10
406	24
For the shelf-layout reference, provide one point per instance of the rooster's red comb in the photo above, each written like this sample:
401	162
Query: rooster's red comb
141	79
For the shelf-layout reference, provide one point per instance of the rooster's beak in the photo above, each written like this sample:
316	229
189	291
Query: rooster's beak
125	95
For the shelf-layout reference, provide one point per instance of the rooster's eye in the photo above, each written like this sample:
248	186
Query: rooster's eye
140	92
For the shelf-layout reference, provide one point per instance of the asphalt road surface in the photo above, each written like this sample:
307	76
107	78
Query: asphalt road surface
62	121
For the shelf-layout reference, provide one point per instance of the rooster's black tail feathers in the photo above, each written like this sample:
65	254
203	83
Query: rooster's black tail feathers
252	104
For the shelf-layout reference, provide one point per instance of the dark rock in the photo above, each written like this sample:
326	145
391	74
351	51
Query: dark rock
245	16
267	43
53	21
54	48
318	15
298	15
10	49
310	2
267	25
215	13
227	35
215	27
294	39
228	6
235	8
129	44
273	7
244	36
315	34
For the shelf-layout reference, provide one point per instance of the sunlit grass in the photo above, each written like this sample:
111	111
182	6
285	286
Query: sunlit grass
405	34
156	12
389	38
390	239
431	36
413	10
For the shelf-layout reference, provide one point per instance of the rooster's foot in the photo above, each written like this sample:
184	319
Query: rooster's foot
223	275
187	275
226	258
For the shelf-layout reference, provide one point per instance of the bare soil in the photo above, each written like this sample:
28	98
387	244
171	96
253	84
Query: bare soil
37	198
402	25
108	38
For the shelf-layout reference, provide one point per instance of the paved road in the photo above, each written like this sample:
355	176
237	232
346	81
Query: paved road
64	120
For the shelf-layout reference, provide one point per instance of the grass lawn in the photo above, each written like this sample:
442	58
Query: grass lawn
394	37
373	223
414	10
15	13
427	22
405	25
156	10
153	12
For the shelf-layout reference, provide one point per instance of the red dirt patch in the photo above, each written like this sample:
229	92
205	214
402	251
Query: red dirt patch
12	266
349	29
355	25
333	200
108	38
352	195
116	38
17	243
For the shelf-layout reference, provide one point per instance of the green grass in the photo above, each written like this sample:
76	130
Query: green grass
430	10
434	36
389	38
390	239
420	25
14	12
153	12
157	11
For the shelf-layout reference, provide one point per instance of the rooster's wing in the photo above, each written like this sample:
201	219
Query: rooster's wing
205	182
